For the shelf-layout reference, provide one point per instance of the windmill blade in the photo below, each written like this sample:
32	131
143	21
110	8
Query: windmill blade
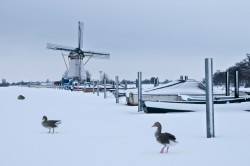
65	62
80	34
59	47
64	54
97	55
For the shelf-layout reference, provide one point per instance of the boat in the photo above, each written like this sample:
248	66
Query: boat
195	104
172	91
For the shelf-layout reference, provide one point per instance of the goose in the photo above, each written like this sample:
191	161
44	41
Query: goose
20	97
163	138
50	123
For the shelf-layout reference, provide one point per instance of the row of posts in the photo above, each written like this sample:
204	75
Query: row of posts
209	93
207	64
117	88
105	88
98	88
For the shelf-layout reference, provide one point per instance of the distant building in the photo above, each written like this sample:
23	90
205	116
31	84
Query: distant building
4	81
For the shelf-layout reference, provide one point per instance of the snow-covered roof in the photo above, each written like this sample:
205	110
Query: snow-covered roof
188	87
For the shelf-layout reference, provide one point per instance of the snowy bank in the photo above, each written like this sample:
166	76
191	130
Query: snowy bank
97	131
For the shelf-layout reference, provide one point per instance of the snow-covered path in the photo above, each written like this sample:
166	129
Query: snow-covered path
97	131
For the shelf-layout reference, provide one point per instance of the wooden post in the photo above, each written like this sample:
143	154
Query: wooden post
227	84
98	88
105	95
117	89
126	85
139	91
209	97
236	91
84	86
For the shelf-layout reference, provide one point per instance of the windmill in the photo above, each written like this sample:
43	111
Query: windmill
76	71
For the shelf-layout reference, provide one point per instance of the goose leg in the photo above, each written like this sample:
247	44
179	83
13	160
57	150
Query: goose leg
162	150
167	149
49	130
53	130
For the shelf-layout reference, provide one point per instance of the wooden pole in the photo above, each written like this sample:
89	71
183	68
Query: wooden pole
209	97
105	92
227	84
139	91
236	91
117	89
98	88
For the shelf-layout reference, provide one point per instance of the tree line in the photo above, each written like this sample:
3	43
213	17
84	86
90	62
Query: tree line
243	68
145	81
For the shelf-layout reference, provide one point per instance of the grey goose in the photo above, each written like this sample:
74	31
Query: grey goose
163	138
50	124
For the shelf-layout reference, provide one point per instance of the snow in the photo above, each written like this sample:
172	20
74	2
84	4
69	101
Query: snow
97	131
187	87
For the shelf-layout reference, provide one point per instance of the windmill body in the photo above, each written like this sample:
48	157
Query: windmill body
76	57
76	69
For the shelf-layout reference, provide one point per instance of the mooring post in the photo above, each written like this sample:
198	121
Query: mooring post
157	81
84	86
236	88
227	84
117	89
126	85
181	77
98	89
154	82
139	91
209	97
113	84
105	95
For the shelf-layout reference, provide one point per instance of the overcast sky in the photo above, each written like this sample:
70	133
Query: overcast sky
161	38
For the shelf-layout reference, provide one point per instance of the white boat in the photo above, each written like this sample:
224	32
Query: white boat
172	91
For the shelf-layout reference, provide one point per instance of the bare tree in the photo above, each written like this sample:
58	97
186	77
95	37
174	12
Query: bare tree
105	75
243	67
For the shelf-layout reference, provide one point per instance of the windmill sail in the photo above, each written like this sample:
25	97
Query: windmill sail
80	34
59	47
97	55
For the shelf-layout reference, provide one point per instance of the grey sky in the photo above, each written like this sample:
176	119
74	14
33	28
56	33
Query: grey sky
163	38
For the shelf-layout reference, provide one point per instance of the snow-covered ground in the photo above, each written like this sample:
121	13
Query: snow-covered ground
97	131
